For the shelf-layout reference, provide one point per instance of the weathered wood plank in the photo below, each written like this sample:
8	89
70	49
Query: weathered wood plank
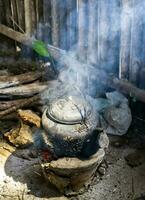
63	24
114	37
82	29
47	21
136	40
125	40
55	22
93	32
28	17
71	23
2	18
103	31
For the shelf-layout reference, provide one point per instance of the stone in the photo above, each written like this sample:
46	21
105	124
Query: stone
103	140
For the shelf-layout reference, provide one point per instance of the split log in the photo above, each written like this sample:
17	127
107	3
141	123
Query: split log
4	105
19	105
20	136
23	90
8	81
25	39
28	116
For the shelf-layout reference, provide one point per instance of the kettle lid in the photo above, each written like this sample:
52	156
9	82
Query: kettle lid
69	110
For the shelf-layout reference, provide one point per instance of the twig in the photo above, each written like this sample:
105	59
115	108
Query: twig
37	173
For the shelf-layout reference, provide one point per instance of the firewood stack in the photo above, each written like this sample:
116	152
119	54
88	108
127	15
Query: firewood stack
18	91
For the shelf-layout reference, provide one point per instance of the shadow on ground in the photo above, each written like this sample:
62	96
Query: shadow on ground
27	172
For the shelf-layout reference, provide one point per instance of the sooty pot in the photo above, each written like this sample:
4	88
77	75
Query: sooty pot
70	127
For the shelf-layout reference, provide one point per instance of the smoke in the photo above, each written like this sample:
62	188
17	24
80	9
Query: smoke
93	33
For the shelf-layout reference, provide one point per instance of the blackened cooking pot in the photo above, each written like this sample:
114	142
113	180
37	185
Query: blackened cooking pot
70	125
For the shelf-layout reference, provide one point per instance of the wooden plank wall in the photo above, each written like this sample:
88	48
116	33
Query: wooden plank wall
107	33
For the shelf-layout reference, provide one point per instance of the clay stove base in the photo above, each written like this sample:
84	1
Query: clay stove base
71	175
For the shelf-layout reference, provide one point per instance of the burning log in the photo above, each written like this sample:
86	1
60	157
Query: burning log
8	81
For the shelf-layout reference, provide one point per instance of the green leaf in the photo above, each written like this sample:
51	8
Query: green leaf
40	48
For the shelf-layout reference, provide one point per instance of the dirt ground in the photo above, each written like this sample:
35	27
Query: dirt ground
21	177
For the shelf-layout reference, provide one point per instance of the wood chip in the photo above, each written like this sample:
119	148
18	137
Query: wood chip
20	136
30	117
